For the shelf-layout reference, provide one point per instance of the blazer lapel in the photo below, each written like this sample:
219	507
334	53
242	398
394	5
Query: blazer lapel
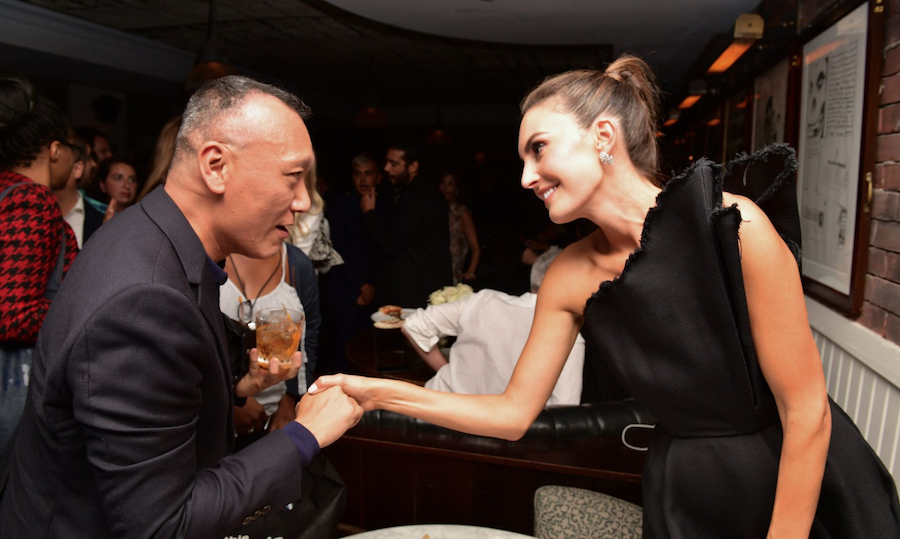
194	260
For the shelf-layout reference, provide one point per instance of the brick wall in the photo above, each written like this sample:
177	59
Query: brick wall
881	310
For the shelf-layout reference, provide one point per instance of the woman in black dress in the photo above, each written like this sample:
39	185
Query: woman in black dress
700	314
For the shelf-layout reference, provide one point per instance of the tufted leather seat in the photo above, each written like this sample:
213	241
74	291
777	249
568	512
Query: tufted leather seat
559	422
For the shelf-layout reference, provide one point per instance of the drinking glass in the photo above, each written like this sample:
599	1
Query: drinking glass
278	333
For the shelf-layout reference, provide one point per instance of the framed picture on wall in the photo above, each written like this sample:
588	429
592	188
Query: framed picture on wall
770	106
836	155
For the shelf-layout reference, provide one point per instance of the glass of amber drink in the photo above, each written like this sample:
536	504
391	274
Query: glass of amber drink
278	333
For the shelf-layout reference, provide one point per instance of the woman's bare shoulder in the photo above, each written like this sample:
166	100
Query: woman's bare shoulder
573	276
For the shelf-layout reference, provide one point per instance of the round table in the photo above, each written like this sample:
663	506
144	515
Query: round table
439	531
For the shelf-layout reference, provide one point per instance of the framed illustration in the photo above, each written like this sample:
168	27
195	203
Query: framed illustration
836	155
770	106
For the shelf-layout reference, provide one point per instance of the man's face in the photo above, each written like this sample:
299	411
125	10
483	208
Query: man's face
101	148
397	168
366	177
264	177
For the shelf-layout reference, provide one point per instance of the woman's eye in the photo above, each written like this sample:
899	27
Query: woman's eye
536	147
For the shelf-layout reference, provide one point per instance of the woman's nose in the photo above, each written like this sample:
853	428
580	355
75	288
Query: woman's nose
529	177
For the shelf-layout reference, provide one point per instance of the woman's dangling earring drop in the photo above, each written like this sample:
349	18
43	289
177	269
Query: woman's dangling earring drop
607	159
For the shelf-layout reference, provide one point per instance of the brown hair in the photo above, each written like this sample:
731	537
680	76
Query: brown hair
162	156
627	90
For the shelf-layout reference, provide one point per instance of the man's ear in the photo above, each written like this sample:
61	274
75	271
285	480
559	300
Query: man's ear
605	133
54	150
213	158
78	170
413	168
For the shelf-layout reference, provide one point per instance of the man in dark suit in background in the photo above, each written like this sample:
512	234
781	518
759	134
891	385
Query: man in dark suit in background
348	290
127	430
415	247
81	215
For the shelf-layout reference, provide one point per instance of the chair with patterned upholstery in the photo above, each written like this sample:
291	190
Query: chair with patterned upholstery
574	513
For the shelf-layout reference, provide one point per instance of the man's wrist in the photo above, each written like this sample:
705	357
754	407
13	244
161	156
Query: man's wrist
306	443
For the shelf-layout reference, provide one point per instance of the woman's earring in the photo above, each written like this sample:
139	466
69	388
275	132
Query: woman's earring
607	159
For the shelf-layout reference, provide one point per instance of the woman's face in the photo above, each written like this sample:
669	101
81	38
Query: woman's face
562	164
448	187
120	184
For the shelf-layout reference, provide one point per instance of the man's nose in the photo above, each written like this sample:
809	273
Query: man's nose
301	202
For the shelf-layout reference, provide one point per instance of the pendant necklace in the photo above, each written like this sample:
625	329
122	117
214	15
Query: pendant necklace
252	303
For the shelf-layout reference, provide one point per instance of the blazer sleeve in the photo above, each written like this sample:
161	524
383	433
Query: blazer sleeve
305	282
137	375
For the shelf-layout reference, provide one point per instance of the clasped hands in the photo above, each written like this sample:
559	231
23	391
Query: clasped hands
327	414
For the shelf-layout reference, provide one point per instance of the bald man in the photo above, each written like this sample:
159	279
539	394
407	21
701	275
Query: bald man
127	430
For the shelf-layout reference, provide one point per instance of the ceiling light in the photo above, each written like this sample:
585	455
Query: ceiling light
673	117
211	63
689	101
747	30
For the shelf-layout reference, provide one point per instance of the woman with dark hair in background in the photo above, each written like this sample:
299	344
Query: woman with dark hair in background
693	297
36	245
117	179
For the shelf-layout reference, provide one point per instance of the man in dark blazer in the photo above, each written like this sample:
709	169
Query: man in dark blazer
348	290
127	430
415	246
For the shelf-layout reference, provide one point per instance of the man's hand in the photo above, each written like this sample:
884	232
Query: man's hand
249	417
366	295
260	378
328	414
284	414
367	201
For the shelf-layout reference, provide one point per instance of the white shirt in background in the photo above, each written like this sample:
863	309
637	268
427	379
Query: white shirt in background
491	329
75	218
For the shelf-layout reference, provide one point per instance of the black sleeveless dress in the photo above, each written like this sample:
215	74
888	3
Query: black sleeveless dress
675	330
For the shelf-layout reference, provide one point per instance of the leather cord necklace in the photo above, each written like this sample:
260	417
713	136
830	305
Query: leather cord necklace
243	291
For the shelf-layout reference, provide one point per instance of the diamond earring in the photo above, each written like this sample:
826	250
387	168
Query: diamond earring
607	159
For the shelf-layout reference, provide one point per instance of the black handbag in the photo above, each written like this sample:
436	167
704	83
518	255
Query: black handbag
314	516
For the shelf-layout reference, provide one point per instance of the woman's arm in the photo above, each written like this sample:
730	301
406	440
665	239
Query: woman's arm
509	415
791	365
468	228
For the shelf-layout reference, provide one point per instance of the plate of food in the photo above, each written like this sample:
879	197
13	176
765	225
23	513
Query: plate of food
390	316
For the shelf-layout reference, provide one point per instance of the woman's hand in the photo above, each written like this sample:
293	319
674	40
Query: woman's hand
249	417
111	209
260	378
360	388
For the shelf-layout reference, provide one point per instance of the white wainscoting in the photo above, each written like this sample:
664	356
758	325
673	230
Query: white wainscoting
862	370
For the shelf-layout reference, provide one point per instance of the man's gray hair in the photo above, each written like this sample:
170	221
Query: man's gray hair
362	160
219	97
